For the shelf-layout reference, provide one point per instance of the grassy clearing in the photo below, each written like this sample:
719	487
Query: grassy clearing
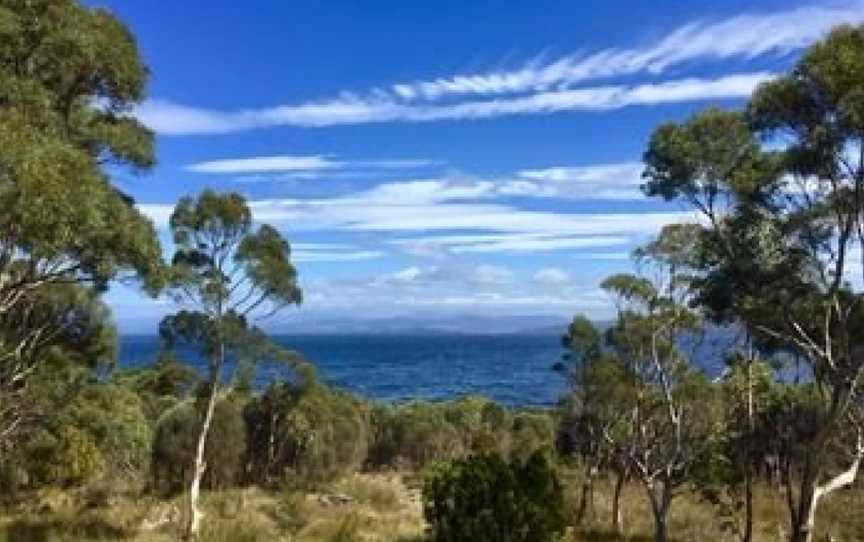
361	507
372	508
692	520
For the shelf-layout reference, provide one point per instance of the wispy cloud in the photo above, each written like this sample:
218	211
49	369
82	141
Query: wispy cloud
261	164
601	181
174	119
744	36
511	242
541	87
551	276
308	164
308	256
461	287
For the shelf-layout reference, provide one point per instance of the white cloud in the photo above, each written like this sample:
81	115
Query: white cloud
543	87
454	273
303	256
427	214
454	287
263	164
745	36
174	119
602	255
619	181
304	165
510	242
551	276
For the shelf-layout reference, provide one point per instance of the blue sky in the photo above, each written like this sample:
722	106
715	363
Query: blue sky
441	158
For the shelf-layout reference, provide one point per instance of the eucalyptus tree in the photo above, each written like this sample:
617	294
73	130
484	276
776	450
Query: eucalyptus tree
666	425
780	229
69	76
225	271
598	395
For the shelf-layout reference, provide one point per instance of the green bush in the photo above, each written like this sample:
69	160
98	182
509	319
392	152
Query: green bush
102	431
176	438
114	418
161	386
418	433
483	498
532	431
305	435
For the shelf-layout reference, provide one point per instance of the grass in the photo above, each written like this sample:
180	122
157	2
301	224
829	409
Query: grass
693	520
380	508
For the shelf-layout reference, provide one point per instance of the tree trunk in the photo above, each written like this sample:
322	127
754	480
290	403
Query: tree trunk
804	520
660	494
586	500
617	515
200	467
748	466
748	504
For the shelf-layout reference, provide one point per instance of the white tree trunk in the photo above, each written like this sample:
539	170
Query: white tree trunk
803	531
200	467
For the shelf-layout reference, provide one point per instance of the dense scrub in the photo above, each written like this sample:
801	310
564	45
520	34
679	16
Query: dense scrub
485	499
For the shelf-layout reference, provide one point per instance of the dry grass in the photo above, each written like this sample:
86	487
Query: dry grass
692	520
379	508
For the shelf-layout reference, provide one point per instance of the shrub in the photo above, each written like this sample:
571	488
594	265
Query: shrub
532	431
306	435
161	386
483	498
102	430
418	433
74	459
174	444
113	417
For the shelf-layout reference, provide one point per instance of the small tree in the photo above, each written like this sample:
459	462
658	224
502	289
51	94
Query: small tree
226	272
599	389
666	426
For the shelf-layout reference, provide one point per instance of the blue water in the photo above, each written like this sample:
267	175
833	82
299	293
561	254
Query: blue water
512	369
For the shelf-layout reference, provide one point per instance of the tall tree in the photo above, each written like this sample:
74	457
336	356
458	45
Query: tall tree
598	395
69	75
225	271
781	230
665	429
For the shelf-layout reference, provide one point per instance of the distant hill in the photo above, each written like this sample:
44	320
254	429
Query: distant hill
427	325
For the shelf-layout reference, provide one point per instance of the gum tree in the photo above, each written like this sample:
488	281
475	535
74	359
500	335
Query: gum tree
665	428
780	231
69	75
599	392
225	271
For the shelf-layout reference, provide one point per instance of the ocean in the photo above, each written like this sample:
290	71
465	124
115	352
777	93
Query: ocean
515	370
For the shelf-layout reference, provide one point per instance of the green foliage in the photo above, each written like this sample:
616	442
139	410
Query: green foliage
418	433
161	386
175	439
483	498
305	435
114	418
69	76
101	432
221	264
531	432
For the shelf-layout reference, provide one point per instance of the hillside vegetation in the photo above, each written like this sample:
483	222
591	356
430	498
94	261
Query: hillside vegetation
643	446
